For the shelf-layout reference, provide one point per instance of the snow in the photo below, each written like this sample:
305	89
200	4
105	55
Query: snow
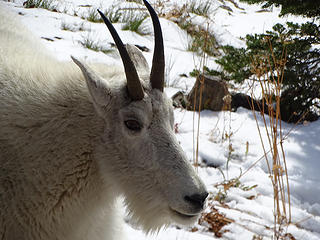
252	211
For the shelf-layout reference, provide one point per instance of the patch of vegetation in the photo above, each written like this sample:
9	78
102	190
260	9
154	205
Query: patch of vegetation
256	237
135	1
45	4
133	22
113	15
94	45
201	39
200	8
131	18
66	27
93	16
72	27
206	71
224	186
215	221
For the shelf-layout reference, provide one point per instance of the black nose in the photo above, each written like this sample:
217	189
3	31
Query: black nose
197	200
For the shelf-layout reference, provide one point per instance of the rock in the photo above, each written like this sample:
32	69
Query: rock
215	94
216	97
142	48
245	101
179	100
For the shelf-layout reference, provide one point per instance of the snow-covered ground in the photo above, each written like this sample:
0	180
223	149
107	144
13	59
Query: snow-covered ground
250	211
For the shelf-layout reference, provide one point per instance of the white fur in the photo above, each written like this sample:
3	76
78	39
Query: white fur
66	154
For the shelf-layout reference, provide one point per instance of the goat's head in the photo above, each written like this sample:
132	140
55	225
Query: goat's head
139	152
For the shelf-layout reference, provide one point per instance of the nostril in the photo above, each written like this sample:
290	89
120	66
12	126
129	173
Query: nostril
197	199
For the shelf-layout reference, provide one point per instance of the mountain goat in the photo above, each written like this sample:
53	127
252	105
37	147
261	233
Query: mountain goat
72	141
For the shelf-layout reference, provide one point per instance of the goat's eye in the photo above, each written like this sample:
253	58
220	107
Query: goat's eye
133	125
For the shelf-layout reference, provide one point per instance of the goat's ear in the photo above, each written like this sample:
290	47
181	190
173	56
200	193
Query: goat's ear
138	59
98	87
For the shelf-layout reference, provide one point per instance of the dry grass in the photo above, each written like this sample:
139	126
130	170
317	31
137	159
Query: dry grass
269	72
216	221
273	147
201	39
212	219
197	132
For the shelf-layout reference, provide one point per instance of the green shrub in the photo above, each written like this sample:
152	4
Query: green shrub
292	44
309	8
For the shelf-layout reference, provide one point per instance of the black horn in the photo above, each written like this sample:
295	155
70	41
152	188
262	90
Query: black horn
158	64
133	83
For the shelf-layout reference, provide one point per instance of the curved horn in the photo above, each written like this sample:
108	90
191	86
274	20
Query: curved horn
133	83
157	70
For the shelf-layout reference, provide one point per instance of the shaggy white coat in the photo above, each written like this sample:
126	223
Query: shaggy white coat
66	154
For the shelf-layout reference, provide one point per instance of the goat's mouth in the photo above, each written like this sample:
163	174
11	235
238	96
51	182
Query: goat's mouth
184	215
